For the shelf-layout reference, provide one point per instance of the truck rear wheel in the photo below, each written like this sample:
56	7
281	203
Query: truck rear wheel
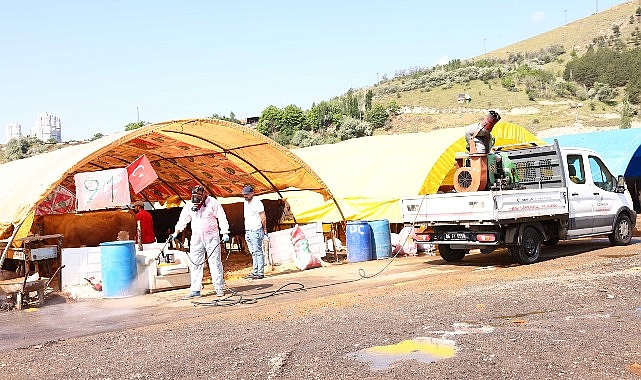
529	250
622	234
451	255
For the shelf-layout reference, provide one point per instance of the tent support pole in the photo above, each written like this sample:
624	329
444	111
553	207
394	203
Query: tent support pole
339	209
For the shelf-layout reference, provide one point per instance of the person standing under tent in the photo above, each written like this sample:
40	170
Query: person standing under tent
208	222
146	224
255	230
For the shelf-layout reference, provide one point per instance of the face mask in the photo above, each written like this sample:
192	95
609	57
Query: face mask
197	200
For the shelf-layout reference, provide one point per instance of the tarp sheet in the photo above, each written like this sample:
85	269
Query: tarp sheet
221	156
368	176
619	148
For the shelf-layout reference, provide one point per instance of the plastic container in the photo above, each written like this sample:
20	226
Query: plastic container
119	268
382	239
359	241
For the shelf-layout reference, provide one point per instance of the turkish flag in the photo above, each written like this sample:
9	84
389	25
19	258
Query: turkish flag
141	174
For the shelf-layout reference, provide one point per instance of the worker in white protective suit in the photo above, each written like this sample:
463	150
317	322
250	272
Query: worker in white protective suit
208	222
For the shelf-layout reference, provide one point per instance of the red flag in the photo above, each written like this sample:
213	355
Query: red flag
141	174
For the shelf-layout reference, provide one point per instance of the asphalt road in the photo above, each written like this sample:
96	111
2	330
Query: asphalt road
574	315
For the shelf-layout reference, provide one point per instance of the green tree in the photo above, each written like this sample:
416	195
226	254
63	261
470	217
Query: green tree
633	90
377	116
351	128
292	120
626	115
602	92
16	149
393	108
231	117
26	147
301	139
97	136
368	100
350	105
312	119
132	126
635	37
329	113
269	122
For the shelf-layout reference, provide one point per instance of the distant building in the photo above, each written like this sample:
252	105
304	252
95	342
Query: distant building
14	131
463	98
252	121
46	127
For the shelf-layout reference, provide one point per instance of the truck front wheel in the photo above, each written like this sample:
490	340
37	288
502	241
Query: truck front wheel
451	255
622	231
529	250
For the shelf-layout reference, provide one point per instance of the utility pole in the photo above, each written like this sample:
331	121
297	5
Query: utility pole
484	49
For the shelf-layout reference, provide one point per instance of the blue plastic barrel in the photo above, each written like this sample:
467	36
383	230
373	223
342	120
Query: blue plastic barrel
382	239
118	266
359	241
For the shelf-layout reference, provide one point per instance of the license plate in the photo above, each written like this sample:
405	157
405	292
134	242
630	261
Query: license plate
455	236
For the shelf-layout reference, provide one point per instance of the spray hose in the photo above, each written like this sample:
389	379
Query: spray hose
237	298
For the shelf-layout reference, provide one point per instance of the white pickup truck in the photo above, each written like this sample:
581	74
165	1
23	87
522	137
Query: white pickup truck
563	193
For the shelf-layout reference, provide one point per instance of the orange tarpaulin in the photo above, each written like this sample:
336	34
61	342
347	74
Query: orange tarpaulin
219	155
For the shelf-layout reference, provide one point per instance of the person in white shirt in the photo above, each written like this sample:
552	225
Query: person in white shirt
255	230
208	221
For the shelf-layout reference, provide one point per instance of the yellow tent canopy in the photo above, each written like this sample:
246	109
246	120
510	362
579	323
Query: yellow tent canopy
221	156
442	172
369	175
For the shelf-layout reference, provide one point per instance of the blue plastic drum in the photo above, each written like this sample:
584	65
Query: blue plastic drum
382	242
119	268
359	241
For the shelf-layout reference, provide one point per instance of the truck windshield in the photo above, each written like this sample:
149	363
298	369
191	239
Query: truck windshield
601	176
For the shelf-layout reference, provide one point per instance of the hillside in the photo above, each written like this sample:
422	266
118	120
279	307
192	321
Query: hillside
424	109
523	81
579	34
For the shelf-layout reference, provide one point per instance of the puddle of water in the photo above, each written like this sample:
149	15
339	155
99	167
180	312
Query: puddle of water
423	349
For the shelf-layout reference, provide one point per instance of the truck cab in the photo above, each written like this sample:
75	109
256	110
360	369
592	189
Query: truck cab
598	201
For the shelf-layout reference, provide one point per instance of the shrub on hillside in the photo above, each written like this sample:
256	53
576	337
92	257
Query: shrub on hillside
351	128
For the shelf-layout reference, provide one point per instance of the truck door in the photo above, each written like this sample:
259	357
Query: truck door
580	196
606	202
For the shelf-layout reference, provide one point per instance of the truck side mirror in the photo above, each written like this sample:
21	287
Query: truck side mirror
620	185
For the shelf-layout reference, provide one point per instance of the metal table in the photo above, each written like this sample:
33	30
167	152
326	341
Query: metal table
34	251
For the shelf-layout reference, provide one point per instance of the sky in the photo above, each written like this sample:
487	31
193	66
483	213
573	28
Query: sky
99	65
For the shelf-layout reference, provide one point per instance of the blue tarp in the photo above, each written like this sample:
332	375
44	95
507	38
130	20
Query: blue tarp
619	148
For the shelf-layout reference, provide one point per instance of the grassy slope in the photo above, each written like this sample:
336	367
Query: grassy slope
445	112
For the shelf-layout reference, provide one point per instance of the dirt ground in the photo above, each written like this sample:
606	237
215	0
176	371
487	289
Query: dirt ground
574	315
